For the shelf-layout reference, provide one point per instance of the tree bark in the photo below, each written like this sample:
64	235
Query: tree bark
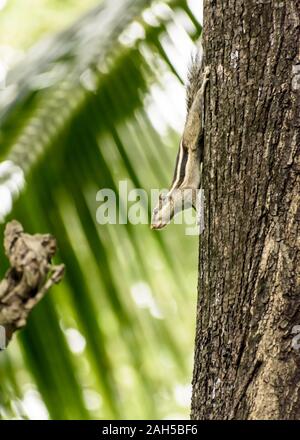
247	359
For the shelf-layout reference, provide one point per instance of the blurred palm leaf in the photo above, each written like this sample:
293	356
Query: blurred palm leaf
79	114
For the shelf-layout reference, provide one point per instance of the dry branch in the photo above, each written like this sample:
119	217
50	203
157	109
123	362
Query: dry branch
30	276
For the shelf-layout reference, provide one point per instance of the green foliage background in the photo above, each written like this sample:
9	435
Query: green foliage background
115	338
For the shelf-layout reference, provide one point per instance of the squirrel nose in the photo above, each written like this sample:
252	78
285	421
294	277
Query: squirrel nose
159	225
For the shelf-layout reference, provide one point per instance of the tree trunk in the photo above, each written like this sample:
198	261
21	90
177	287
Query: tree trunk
247	359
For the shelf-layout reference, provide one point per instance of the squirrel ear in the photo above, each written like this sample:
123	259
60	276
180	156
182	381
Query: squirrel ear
163	196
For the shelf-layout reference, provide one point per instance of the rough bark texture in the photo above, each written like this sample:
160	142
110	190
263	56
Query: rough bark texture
247	364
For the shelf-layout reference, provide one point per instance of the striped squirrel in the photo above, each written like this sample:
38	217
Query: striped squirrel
184	190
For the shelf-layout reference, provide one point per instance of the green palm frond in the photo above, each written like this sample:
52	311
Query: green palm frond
74	119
